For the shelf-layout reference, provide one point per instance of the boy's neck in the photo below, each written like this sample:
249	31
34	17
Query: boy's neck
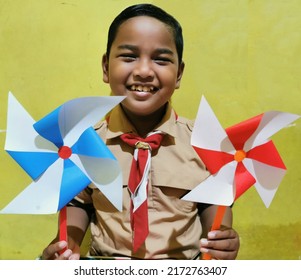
145	124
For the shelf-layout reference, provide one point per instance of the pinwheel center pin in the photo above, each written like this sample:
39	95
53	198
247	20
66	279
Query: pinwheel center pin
64	152
240	155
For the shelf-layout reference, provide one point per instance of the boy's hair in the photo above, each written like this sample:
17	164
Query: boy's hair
151	11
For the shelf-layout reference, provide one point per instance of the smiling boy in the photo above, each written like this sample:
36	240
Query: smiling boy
143	62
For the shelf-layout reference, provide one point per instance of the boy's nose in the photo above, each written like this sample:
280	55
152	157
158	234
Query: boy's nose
144	69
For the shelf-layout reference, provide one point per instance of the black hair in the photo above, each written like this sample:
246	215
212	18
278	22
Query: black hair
151	11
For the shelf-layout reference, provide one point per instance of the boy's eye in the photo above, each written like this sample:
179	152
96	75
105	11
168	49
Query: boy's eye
162	60
128	57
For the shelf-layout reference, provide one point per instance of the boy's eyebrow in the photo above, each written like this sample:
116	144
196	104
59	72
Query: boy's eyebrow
128	47
134	48
165	51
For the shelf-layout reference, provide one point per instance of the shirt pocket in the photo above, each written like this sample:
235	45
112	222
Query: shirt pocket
169	200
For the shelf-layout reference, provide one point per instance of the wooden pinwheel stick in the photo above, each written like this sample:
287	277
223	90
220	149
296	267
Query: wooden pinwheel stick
63	226
220	212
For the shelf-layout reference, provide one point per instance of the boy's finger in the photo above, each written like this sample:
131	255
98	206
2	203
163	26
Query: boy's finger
51	250
222	234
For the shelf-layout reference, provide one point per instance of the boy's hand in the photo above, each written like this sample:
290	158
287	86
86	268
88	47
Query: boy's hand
52	252
221	244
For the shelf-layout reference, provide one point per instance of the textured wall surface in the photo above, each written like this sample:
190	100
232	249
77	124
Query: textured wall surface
244	56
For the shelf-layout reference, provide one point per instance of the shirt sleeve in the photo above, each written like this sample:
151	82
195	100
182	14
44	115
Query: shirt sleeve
202	206
84	201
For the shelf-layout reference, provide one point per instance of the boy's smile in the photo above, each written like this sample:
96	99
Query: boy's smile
143	65
142	90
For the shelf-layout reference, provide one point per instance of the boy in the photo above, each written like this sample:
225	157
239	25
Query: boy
143	62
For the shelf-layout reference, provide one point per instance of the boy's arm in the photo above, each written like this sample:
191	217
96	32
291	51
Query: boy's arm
77	224
207	217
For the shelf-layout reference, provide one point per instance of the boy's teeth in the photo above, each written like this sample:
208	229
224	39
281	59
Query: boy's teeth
142	88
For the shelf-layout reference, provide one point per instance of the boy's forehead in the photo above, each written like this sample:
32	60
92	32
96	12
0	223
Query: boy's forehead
142	20
144	25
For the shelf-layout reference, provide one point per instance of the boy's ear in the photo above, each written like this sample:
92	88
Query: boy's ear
180	74
105	69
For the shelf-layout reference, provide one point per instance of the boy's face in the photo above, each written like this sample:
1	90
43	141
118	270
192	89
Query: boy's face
143	65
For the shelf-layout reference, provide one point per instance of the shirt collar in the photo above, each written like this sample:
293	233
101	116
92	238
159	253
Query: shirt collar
119	124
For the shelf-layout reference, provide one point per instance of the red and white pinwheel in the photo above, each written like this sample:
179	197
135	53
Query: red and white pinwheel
237	158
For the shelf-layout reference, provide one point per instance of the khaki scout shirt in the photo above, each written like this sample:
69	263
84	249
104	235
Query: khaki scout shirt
174	224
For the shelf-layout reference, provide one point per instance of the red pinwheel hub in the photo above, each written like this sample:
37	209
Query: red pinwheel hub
65	152
240	155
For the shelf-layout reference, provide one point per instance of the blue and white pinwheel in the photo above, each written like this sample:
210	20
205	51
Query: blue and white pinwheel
62	153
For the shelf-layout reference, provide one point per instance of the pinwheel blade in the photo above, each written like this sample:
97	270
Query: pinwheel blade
105	174
73	182
23	143
268	179
271	123
216	189
95	160
20	134
90	144
67	122
34	164
41	196
207	131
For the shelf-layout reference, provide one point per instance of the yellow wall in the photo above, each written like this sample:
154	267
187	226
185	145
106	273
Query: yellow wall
244	56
